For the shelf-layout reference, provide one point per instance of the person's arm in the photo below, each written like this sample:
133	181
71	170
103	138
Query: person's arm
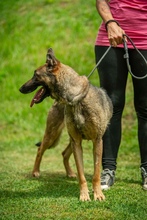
115	32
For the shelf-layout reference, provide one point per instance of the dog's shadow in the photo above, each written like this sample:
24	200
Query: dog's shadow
48	185
54	184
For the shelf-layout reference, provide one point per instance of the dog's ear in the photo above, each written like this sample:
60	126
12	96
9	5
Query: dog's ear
50	58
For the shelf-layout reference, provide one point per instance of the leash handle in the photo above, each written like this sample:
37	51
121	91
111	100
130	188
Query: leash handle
126	56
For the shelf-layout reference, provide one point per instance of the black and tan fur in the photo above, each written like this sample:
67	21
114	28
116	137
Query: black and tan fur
85	109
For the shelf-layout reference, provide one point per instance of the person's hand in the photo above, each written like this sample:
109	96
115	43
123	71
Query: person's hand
115	34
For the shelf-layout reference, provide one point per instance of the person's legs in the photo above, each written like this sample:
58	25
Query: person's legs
113	76
139	68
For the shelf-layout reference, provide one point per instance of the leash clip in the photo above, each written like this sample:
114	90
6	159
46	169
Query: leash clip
126	55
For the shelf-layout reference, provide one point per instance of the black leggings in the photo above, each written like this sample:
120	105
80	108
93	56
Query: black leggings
113	74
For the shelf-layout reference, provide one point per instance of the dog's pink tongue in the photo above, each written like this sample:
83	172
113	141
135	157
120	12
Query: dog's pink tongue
36	97
32	103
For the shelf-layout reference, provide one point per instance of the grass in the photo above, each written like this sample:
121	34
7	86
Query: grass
28	28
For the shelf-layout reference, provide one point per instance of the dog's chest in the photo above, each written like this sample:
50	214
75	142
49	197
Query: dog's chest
75	115
77	119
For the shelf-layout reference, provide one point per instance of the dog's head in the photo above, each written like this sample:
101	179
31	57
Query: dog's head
40	79
57	80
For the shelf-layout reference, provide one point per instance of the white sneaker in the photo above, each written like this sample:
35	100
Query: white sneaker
107	179
144	178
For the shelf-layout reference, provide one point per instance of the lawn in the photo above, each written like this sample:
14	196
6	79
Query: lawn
27	29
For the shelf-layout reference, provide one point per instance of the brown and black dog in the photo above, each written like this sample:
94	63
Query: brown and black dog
85	109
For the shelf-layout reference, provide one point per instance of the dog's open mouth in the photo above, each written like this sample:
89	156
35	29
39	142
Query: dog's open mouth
40	95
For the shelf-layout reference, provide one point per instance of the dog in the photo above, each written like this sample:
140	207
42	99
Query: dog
86	110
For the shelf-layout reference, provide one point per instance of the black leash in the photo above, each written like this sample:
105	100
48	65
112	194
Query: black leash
126	56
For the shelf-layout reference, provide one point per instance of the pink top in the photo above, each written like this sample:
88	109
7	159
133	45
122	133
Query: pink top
132	17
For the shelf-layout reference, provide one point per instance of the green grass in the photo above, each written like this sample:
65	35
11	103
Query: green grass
27	29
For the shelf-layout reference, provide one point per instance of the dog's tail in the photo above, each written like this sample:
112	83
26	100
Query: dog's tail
55	141
38	144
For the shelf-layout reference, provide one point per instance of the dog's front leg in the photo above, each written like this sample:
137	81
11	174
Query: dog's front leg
78	155
97	154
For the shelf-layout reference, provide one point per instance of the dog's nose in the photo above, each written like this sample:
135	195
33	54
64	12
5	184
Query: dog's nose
23	89
20	89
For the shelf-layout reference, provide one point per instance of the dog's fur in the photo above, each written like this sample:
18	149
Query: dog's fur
87	111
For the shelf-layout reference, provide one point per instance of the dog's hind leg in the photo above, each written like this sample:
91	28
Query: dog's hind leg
97	155
54	126
66	155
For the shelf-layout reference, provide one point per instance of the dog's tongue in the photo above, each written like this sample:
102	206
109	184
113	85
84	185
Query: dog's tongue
37	96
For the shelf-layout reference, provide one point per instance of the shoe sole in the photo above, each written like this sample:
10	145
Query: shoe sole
144	187
105	187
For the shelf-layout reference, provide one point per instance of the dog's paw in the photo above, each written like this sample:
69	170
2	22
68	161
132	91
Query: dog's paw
84	196
98	195
71	175
35	174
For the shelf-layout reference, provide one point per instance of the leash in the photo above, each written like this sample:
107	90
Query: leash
98	63
126	56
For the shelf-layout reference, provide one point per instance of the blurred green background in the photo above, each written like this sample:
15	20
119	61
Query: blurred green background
27	29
